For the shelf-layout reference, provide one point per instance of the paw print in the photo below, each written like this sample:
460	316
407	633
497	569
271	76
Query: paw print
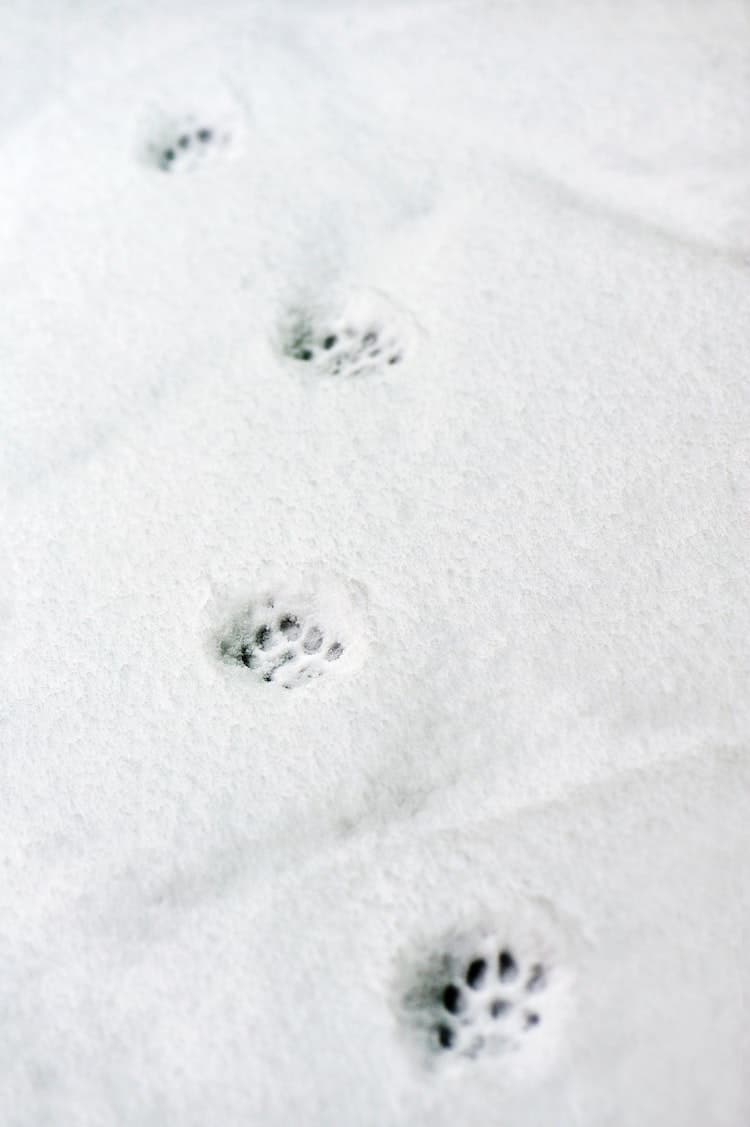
483	998
346	351
188	145
368	338
281	643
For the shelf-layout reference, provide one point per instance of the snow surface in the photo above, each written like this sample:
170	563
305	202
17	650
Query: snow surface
224	903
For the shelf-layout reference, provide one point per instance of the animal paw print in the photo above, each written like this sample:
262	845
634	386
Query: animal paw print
189	144
282	644
368	338
488	1003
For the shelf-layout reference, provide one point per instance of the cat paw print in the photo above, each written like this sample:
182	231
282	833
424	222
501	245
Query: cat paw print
483	995
368	337
189	144
489	1003
289	640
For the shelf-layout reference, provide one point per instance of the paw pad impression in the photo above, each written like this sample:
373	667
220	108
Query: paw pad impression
369	336
492	992
190	143
288	639
493	1001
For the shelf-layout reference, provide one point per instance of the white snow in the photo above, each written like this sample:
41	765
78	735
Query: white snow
219	900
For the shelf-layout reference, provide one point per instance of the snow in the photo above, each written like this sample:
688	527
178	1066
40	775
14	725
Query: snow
226	903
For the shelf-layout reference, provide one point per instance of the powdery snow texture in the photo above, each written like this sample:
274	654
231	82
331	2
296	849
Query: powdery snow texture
421	393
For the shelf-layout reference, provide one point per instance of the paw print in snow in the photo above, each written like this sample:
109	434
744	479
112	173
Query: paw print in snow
491	1002
490	993
189	144
369	337
290	639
